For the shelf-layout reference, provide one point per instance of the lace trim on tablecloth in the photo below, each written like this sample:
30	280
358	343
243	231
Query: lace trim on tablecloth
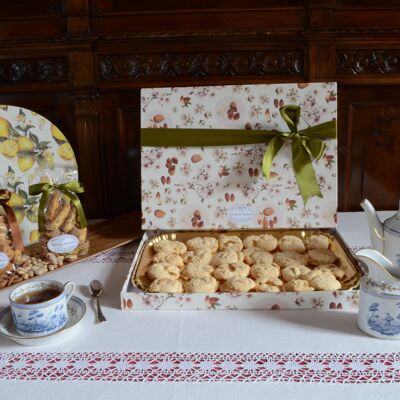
203	367
123	254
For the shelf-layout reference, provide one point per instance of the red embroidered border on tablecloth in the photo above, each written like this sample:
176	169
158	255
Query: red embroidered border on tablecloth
203	367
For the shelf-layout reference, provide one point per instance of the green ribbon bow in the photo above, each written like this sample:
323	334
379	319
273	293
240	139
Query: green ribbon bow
68	189
306	143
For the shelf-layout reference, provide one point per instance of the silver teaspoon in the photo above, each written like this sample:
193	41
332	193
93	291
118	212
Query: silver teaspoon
96	289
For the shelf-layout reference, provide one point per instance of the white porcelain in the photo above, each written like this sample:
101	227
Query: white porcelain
41	318
76	311
385	237
379	303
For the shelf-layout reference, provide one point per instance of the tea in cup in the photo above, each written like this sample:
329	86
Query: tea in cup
40	307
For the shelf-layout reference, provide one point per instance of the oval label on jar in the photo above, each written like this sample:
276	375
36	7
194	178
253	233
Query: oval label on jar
4	260
63	243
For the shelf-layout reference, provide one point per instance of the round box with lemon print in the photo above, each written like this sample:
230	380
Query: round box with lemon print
31	150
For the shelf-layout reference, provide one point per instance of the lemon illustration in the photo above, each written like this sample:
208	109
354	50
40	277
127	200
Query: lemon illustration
49	157
16	200
57	134
9	148
25	163
34	235
65	151
4	127
25	144
32	213
20	215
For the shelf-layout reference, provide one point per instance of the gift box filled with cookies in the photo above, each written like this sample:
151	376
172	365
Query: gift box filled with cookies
239	197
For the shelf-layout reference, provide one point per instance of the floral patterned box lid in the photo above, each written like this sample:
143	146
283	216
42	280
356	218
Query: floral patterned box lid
207	188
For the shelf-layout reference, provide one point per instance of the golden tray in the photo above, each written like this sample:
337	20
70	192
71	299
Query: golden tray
345	259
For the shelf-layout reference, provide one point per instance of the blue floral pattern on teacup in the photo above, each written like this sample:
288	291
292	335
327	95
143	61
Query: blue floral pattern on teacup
41	318
385	323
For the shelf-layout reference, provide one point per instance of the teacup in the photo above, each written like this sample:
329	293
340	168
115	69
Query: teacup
40	307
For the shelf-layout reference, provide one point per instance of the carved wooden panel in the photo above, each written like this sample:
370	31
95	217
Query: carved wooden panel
33	70
239	63
368	61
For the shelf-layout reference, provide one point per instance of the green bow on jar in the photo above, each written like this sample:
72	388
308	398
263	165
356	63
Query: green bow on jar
69	189
306	144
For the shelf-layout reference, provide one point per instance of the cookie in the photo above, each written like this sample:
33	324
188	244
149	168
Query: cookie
322	280
336	271
199	243
287	258
298	285
266	242
167	257
197	270
238	285
226	257
206	284
291	243
295	271
255	255
268	285
230	243
232	270
270	271
166	285
320	257
202	256
250	241
171	246
161	270
314	242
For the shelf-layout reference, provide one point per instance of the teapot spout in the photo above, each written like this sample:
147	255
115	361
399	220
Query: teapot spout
379	267
375	225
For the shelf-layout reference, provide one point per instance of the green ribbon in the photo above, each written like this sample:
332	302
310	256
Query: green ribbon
68	189
306	144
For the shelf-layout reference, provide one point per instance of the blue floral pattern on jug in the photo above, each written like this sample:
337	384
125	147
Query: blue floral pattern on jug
384	324
38	321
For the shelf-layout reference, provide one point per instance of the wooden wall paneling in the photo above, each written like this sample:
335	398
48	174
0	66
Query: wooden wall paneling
81	63
193	60
381	172
121	138
89	152
129	123
215	20
56	107
369	146
29	72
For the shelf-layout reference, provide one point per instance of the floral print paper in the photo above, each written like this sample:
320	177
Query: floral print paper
223	187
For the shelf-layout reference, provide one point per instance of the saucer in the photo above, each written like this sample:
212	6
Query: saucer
76	311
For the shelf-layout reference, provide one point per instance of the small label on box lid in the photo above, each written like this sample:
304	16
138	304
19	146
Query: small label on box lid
240	214
63	244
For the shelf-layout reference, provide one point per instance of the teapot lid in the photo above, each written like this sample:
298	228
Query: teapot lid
393	223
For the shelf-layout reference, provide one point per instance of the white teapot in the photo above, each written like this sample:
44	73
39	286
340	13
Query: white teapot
385	237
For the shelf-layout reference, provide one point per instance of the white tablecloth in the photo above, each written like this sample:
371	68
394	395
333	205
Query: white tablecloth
183	333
